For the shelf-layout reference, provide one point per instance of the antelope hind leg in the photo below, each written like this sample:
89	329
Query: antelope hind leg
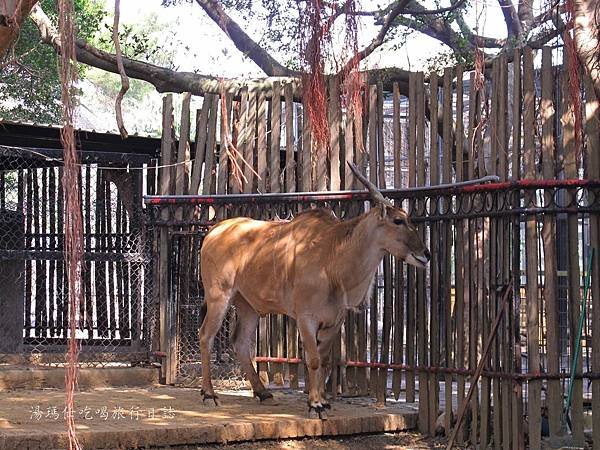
217	303
243	344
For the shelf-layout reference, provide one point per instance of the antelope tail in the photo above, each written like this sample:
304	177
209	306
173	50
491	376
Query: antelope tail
202	314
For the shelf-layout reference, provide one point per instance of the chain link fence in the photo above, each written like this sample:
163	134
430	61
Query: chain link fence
117	317
185	228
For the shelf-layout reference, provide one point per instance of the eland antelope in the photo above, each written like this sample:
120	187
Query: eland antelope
313	268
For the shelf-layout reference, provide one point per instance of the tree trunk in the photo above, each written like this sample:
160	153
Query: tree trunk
12	14
587	39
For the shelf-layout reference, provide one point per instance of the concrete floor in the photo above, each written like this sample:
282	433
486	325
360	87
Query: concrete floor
155	416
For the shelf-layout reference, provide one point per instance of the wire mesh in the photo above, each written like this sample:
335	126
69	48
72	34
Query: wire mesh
117	315
432	208
187	294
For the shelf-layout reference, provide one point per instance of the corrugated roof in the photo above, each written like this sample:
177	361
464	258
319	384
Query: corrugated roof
58	127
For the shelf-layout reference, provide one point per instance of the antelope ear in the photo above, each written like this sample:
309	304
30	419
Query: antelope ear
383	210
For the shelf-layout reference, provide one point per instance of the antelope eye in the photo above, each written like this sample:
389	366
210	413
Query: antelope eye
399	221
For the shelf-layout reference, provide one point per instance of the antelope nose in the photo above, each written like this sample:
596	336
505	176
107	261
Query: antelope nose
427	254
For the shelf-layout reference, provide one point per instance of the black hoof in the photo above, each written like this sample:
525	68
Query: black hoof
264	395
315	412
213	397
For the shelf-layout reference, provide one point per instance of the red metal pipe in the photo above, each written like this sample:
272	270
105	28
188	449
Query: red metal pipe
443	370
273	359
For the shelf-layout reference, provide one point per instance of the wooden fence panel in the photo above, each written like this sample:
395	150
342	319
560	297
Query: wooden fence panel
440	317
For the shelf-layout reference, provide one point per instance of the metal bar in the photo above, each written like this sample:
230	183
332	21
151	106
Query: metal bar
442	370
471	186
427	219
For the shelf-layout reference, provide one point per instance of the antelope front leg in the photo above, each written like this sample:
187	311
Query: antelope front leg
308	334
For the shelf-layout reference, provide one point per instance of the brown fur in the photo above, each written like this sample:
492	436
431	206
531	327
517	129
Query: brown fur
313	268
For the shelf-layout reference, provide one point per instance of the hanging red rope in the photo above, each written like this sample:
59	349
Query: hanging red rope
314	37
73	242
315	46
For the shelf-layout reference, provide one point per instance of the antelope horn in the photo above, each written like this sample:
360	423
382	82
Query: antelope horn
376	196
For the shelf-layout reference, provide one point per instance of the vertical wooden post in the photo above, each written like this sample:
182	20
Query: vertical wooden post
461	273
447	292
52	294
373	310
274	161
209	166
494	273
372	131
250	144
422	340
290	186
290	163
592	133
224	137
183	151
387	264
534	412
518	437
306	154
504	258
553	401
483	278
335	123
472	224
380	140
398	328
571	153
167	322
349	149
201	138
360	154
434	263
261	150
262	142
335	117
410	271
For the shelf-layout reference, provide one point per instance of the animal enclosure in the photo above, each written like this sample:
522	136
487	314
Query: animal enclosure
526	237
117	315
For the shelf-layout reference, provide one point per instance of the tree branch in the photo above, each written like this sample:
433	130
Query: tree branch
242	41
587	40
549	14
437	28
525	14
124	79
388	20
427	12
511	18
167	80
12	15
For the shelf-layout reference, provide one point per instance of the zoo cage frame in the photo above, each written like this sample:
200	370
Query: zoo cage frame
504	207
